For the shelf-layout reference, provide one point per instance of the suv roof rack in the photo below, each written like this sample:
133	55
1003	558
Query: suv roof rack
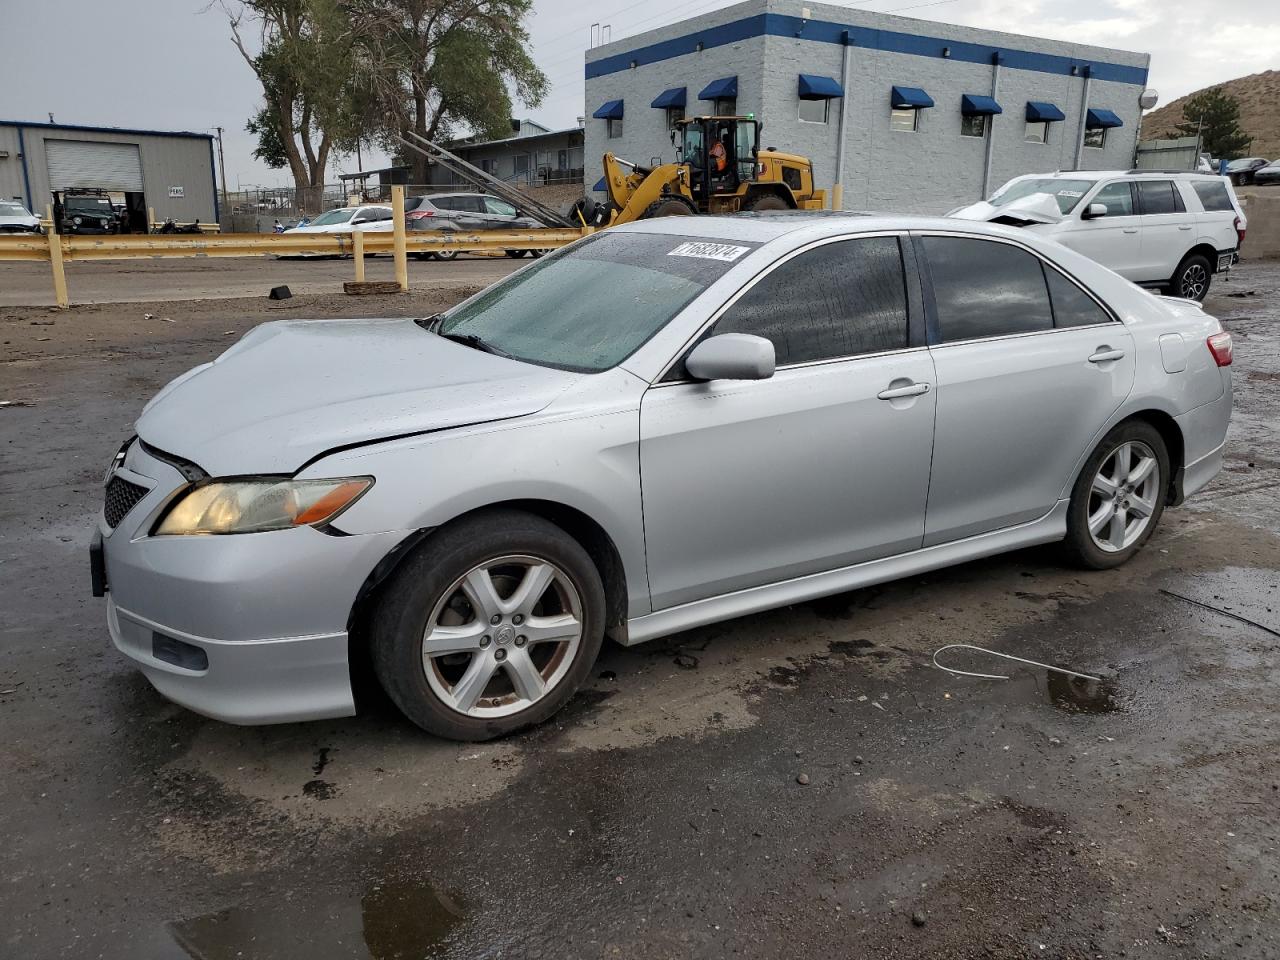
1155	170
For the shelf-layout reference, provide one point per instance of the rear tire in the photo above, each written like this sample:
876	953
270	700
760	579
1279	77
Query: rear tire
767	201
1192	278
515	254
447	255
669	207
1119	497
446	663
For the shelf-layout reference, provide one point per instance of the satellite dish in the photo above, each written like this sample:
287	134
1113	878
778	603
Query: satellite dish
1148	99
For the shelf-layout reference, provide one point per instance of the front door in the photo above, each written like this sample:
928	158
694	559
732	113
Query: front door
1029	369
826	464
1115	240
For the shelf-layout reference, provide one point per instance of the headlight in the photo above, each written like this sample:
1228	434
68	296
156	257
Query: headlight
251	506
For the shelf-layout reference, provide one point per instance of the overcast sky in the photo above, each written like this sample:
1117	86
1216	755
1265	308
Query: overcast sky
165	64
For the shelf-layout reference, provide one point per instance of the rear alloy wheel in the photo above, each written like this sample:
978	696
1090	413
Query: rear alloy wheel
1192	278
446	254
489	628
1119	496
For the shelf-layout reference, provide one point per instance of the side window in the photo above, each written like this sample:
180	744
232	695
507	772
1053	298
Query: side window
1158	196
499	207
1213	196
1118	198
986	289
1072	307
840	300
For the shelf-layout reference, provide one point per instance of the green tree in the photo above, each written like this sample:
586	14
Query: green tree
304	63
1216	115
440	67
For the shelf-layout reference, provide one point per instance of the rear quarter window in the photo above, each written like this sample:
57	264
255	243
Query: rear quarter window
1213	196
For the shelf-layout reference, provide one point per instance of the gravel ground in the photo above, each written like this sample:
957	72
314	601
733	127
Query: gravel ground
799	783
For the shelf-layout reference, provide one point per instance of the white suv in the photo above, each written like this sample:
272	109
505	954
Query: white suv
1159	228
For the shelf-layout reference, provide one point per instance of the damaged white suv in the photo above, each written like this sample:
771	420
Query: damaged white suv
1166	229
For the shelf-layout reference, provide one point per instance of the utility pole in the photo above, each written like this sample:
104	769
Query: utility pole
222	170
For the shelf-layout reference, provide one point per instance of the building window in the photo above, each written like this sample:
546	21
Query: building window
1095	137
973	125
904	119
724	107
814	111
674	116
1036	131
489	165
615	128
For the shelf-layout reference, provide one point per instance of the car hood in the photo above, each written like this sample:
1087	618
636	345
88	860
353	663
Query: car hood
294	389
22	220
1036	208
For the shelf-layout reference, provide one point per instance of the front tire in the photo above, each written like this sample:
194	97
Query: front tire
1192	278
1119	497
490	627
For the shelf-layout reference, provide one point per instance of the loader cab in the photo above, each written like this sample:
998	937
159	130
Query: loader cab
720	152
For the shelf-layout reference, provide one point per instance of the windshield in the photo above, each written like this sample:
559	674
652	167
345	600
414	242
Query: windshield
341	215
97	204
10	209
1244	163
589	306
1067	192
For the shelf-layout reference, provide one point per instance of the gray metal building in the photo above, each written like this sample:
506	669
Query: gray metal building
903	114
534	155
171	172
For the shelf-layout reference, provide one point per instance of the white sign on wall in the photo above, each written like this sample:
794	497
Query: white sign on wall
176	193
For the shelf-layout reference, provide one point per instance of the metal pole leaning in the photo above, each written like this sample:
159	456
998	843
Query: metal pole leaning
358	238
59	274
397	223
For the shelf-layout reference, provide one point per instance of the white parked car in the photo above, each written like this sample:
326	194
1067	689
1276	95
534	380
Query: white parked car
15	218
1163	229
369	218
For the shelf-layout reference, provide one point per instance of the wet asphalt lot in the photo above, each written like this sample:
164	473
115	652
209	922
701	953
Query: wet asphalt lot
661	815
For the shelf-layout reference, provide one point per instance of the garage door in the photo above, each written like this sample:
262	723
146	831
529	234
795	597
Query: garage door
103	166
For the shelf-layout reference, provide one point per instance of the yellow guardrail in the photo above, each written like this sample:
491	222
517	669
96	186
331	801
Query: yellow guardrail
57	249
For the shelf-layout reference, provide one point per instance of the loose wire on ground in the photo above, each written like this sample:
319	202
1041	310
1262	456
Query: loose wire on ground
1007	656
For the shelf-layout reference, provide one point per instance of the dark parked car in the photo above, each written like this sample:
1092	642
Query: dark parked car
86	212
465	213
1241	171
1268	174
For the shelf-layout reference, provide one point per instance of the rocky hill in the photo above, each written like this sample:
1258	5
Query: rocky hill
1259	97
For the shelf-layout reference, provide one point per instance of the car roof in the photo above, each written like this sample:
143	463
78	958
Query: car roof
1096	175
804	225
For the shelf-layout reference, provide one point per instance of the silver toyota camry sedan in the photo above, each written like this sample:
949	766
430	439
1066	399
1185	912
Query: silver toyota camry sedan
662	425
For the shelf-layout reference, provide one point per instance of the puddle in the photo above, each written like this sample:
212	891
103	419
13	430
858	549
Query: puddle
1082	696
391	921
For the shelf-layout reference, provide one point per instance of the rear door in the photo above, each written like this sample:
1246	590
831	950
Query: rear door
1029	368
1113	240
1168	230
824	465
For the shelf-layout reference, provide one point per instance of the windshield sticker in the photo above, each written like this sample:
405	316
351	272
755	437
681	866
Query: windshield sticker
709	251
1073	194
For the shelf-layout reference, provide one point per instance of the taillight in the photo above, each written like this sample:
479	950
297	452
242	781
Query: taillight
419	214
1240	230
1220	347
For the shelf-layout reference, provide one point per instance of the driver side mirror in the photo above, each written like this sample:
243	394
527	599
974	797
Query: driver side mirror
359	220
732	356
1094	211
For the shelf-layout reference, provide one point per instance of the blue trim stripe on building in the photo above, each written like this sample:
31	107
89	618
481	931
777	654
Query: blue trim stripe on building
975	105
1039	111
813	87
825	31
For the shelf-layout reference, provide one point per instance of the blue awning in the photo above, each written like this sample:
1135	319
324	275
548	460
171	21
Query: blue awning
813	87
721	89
908	97
675	97
1096	119
600	186
612	110
1040	112
973	105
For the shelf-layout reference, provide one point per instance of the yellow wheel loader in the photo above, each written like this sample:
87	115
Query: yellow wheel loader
719	168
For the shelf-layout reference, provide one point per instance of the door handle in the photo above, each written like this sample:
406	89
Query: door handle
910	390
1131	230
1104	354
1184	227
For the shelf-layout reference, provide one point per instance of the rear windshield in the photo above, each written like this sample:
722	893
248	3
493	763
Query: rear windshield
1067	192
589	306
1213	194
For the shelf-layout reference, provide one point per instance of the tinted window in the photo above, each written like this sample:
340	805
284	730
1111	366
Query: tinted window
1157	196
1118	198
1072	307
1213	195
499	207
840	300
986	289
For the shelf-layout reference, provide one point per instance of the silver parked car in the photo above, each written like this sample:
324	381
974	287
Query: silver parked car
465	213
663	425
